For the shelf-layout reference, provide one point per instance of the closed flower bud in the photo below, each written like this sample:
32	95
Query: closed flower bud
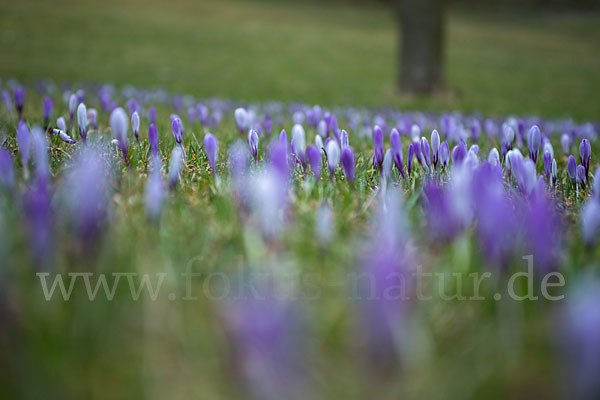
135	125
333	156
314	158
347	159
253	143
82	121
211	148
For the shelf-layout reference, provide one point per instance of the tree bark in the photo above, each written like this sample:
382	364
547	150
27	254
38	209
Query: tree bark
421	45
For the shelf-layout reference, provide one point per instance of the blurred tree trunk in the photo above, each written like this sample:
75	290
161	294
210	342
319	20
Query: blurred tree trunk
421	49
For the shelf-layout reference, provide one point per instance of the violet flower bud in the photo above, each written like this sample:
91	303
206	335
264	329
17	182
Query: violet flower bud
396	143
253	143
152	115
333	157
61	124
63	136
534	141
7	102
175	166
347	159
72	108
19	97
241	119
344	139
581	176
314	158
153	138
410	153
192	114
319	142
93	118
547	166
7	175
283	139
47	110
444	154
572	170
118	124
23	141
435	148
596	187
299	144
82	121
459	152
565	142
211	148
135	125
177	129
494	157
378	148
554	172
585	154
426	152
322	129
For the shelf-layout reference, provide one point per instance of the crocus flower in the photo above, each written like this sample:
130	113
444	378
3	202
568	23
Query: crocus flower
278	159
82	121
347	159
581	176
494	157
435	148
410	154
7	102
534	141
459	152
7	175
322	129
135	125
444	154
547	166
572	170
378	148
73	102
211	148
397	151
596	187
47	110
154	195
585	154
152	115
314	158
23	141
61	124
253	143
241	119
319	142
344	139
333	157
118	124
426	152
38	215
176	128
565	142
191	114
283	139
175	166
19	97
93	118
63	136
299	144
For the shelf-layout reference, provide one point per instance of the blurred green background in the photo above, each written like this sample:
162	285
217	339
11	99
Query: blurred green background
526	61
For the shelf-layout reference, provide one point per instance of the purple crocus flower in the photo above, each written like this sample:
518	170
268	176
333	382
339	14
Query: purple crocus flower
344	139
192	114
547	166
175	166
443	219
314	158
298	144
278	160
82	121
572	170
459	152
63	136
177	129
590	221
397	151
7	175
410	154
417	151
333	157
435	148
211	148
73	102
7	102
93	117
554	172
153	138
47	110
534	142
378	148
152	115
132	105
38	214
585	154
253	143
347	159
135	125
23	141
426	152
283	139
444	154
581	180
241	119
118	124
19	97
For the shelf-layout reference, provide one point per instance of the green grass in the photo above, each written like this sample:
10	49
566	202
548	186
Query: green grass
329	54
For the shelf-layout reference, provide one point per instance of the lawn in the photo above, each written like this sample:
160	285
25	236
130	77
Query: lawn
335	53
